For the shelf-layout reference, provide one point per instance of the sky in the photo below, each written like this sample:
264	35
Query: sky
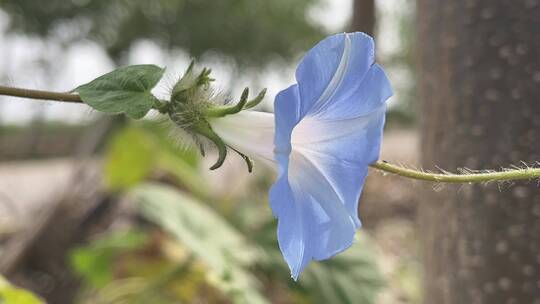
82	62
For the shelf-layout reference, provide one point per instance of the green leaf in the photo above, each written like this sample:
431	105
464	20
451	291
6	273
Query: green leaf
350	277
124	90
213	240
95	261
93	266
136	151
13	295
129	158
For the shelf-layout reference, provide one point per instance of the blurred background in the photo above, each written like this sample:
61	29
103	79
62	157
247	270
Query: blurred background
101	209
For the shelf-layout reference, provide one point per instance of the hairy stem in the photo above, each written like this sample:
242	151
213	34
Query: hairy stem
504	175
38	94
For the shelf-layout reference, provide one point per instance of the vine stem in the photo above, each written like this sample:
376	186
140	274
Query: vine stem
504	175
482	177
38	94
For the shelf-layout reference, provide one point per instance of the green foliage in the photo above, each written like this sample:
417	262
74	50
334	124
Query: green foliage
124	90
94	262
129	158
350	277
215	242
140	149
134	267
251	31
13	295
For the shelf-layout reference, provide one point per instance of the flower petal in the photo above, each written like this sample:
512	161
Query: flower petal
287	115
358	98
317	193
333	69
313	224
355	140
342	152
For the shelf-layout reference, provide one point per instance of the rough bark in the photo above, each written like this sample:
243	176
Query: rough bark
363	19
479	82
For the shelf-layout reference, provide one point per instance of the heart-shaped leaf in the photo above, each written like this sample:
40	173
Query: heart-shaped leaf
124	90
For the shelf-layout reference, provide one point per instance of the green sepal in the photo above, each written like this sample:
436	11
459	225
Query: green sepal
227	110
252	103
249	162
124	90
203	128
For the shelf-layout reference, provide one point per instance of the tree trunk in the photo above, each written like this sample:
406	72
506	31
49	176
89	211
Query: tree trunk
363	19
479	81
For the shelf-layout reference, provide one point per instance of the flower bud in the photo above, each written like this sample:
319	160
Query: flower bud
194	103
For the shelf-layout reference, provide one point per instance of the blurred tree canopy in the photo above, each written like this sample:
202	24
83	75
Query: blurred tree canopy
250	31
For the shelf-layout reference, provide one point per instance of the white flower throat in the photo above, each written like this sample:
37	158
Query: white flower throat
249	132
252	133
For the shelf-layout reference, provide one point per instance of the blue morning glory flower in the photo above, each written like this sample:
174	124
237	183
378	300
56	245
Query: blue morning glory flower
328	129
